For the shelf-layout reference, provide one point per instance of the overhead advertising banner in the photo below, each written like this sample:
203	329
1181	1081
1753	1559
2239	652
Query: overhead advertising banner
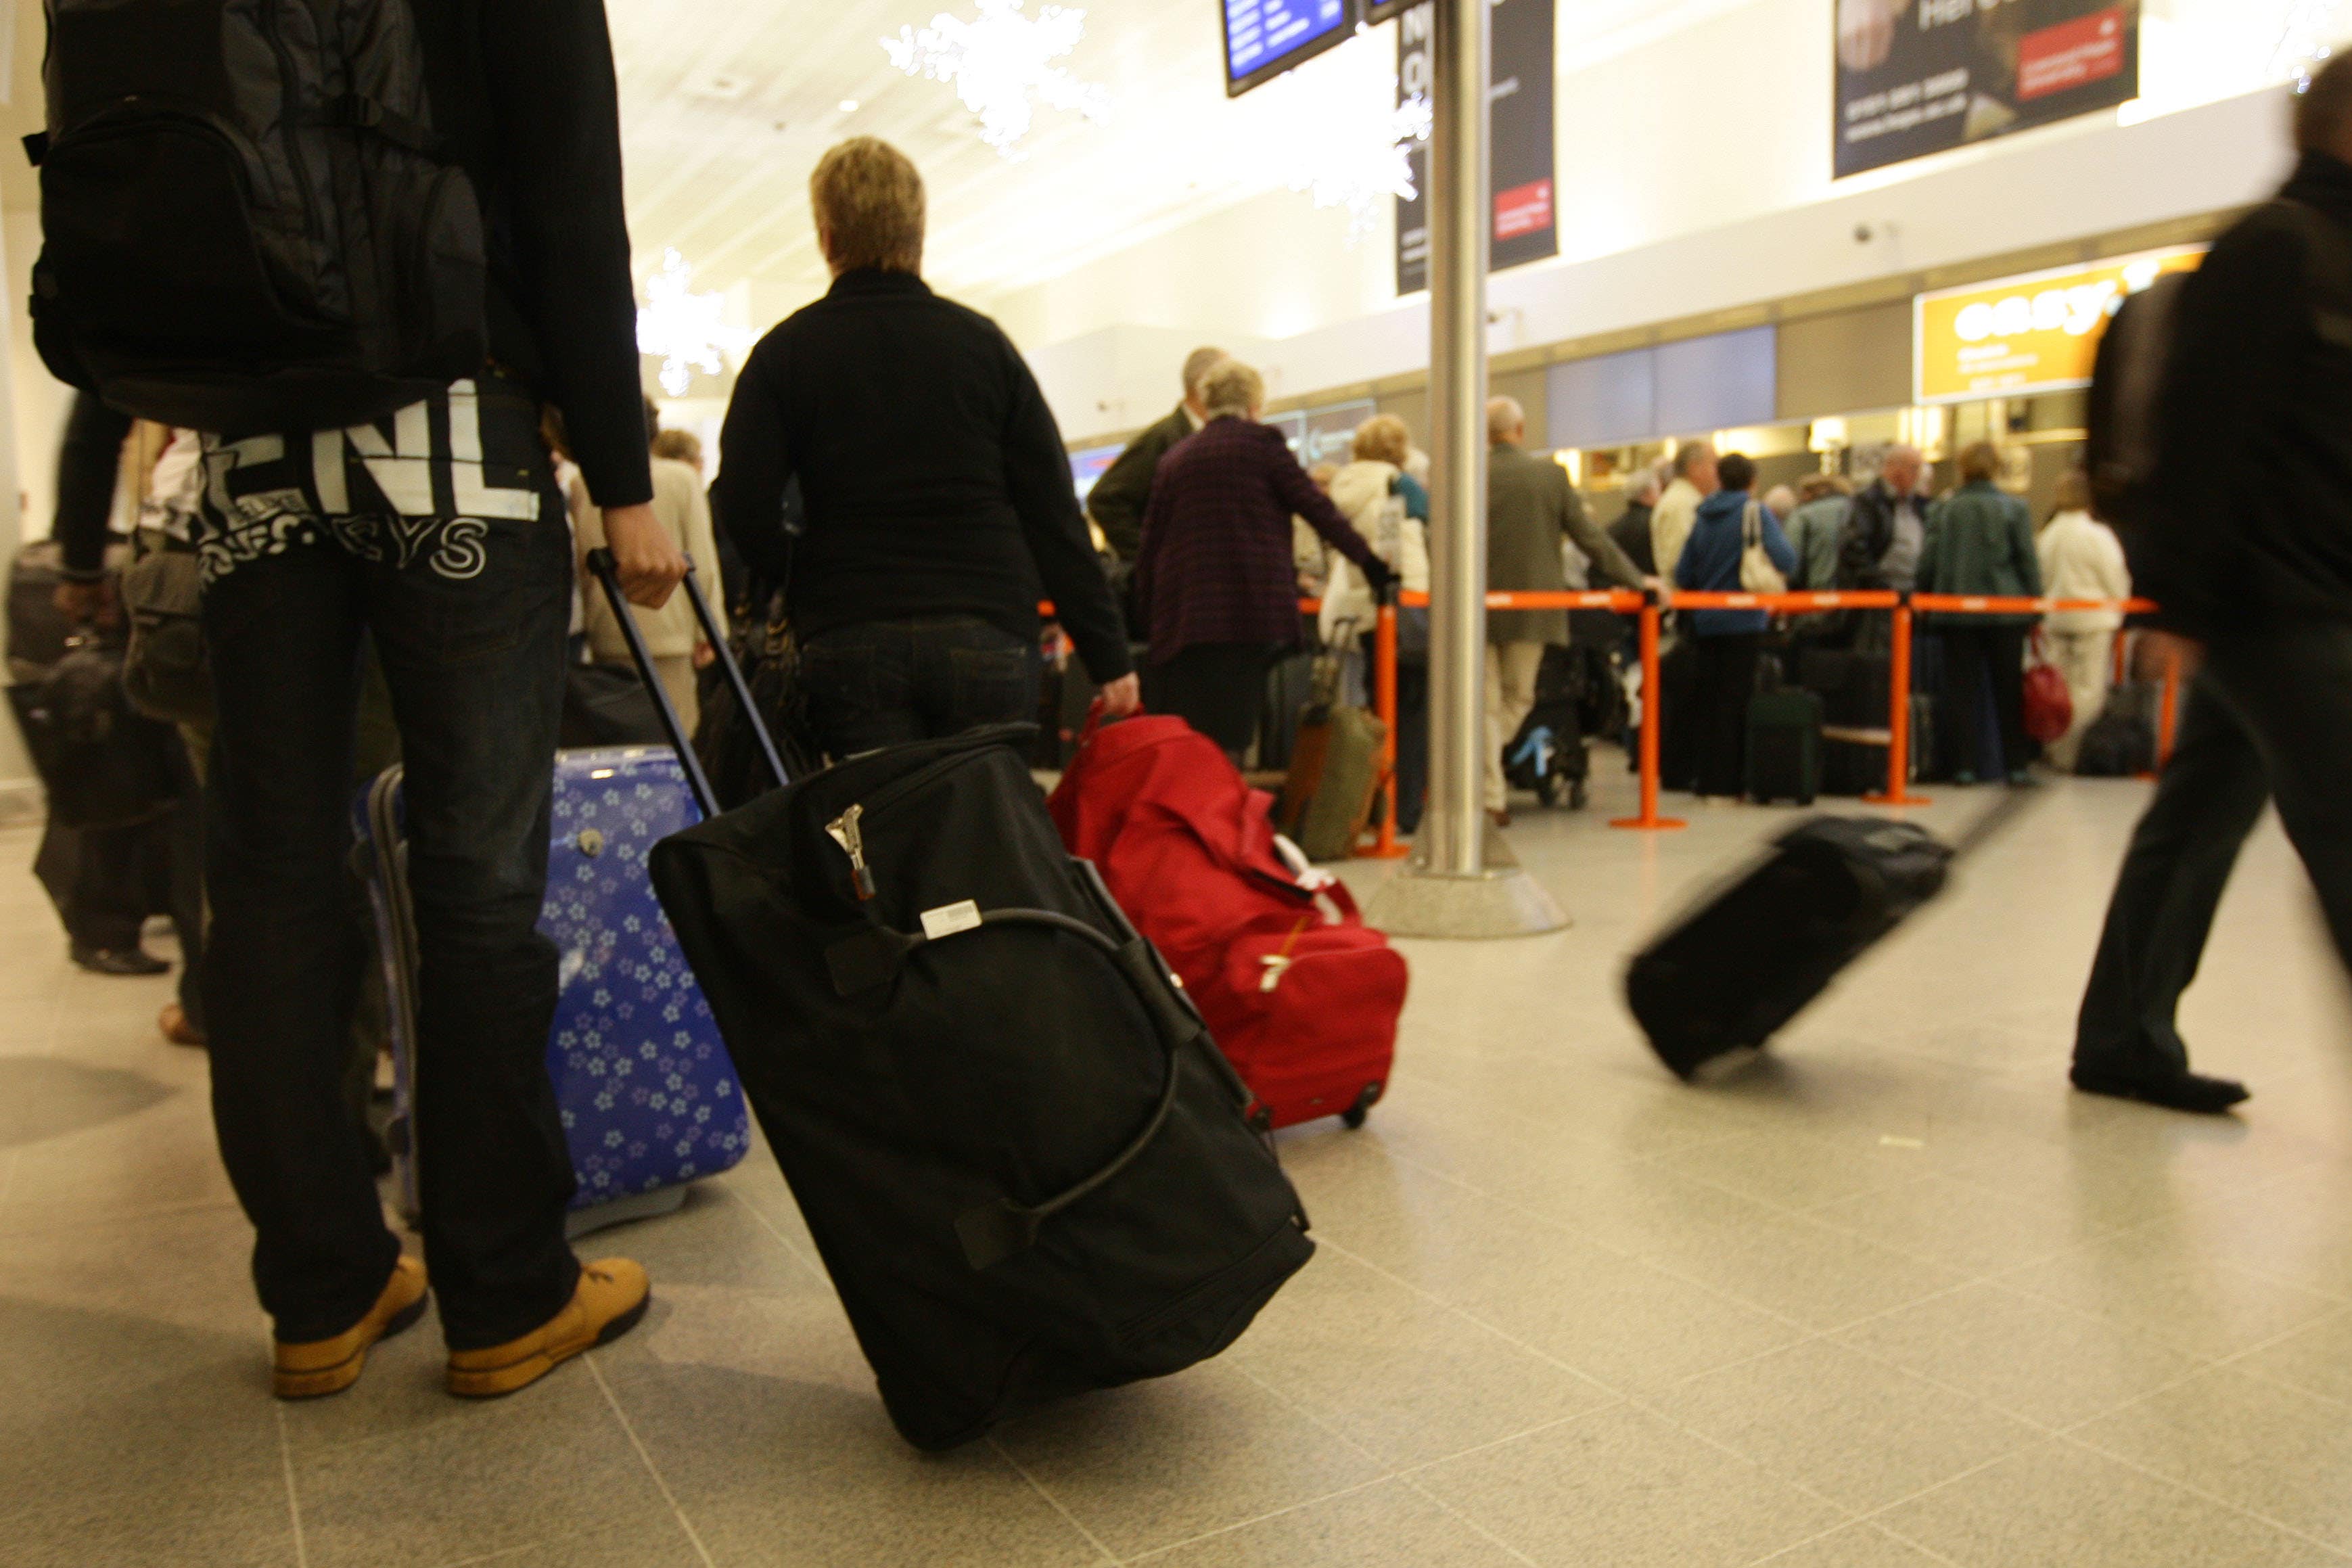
2025	335
1916	77
1523	205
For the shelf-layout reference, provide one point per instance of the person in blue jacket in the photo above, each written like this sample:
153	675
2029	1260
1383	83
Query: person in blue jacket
1729	642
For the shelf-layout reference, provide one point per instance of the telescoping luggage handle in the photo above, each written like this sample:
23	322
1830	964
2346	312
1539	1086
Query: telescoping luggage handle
607	571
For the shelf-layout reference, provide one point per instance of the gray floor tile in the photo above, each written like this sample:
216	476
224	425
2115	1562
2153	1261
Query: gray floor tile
1859	1432
2270	1450
2317	1360
1970	1228
2060	1506
1398	1374
1855	1546
656	1543
189	1267
771	1469
2039	1360
2155	1278
46	1096
1629	1490
542	1464
1159	1463
1390	1524
234	1519
2298	1229
1821	1278
1801	1168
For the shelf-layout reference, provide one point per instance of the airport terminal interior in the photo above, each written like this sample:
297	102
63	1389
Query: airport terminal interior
1888	1292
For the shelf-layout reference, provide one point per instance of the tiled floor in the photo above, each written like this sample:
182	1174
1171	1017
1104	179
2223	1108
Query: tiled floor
1892	1297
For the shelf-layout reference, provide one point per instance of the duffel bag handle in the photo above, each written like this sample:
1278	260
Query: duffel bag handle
1001	1228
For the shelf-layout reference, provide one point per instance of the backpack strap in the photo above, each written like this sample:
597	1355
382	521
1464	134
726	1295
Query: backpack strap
356	112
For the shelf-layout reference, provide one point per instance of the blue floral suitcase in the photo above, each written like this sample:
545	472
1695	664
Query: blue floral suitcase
649	1097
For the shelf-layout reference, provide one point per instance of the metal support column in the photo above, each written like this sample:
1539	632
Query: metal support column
1452	887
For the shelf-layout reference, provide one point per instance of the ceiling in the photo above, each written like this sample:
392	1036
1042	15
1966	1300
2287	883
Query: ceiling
726	107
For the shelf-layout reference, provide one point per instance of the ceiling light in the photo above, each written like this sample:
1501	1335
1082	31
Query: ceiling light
688	329
849	106
1001	63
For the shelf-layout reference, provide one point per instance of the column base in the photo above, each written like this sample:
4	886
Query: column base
1502	901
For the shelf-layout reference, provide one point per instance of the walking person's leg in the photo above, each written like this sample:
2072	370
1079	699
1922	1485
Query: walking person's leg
1704	727
2211	794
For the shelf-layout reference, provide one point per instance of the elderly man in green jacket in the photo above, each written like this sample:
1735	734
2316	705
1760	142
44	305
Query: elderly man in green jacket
1531	509
1118	497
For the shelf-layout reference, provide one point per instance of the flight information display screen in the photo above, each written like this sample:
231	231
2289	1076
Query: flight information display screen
1264	38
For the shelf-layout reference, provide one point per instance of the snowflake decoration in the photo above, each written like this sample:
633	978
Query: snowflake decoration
2303	42
1001	63
1344	138
688	330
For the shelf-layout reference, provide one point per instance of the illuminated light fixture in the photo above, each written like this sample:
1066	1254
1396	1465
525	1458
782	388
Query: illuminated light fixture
1001	63
688	329
849	106
2303	42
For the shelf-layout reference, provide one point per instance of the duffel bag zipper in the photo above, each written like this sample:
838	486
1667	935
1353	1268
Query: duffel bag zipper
846	832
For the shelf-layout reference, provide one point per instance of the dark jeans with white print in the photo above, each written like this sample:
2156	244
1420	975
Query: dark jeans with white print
438	533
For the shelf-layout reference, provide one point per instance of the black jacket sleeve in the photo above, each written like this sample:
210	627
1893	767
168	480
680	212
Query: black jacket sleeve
747	500
547	69
1120	497
88	462
1037	478
1598	548
1869	529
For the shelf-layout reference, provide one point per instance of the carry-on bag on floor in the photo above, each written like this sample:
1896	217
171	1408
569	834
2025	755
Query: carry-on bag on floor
1734	969
1784	746
649	1099
1300	994
1022	1158
1548	755
1335	769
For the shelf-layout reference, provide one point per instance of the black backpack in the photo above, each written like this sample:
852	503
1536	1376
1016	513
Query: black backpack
1027	1167
248	221
2124	453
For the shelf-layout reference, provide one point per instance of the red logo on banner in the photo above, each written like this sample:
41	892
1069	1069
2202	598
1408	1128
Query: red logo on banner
1523	209
2073	54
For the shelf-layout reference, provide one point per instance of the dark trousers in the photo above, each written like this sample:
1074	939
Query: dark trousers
1977	660
467	614
1726	681
2268	716
1218	688
106	882
1413	744
886	683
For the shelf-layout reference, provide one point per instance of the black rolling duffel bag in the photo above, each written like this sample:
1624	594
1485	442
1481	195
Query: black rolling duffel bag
1023	1158
1752	955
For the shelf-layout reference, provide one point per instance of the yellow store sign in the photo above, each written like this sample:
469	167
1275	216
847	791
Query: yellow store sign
2022	335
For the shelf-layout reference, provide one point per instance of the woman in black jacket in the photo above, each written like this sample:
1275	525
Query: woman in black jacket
937	490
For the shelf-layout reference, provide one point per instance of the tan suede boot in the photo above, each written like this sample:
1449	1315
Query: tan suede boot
314	1368
612	1296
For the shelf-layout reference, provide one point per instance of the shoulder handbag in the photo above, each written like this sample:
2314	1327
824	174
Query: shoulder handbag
1758	573
165	674
2049	705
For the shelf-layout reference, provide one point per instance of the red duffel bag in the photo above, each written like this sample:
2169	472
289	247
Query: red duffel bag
1300	994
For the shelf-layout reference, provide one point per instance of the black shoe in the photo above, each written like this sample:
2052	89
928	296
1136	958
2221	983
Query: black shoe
119	960
2183	1091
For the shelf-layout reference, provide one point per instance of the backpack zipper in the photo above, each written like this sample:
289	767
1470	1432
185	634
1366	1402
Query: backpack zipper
291	81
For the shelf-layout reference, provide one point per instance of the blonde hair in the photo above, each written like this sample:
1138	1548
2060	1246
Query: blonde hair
868	198
1383	438
678	446
1197	366
1232	388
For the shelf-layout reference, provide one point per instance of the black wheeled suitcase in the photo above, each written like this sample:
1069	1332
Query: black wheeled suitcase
1749	956
1784	746
1026	1165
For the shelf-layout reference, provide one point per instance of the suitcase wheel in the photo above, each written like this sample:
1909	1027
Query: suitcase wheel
1357	1114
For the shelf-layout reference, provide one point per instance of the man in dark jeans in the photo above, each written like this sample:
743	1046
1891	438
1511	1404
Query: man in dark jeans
2256	585
439	533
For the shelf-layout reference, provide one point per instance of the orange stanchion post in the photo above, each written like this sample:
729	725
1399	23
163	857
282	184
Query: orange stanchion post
2167	719
1898	718
1653	614
1384	703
